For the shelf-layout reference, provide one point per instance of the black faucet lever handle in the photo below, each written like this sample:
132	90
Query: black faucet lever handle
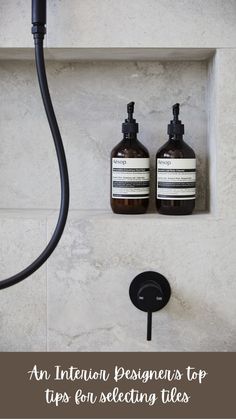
149	325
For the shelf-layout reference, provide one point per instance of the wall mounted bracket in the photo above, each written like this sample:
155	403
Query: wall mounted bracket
149	292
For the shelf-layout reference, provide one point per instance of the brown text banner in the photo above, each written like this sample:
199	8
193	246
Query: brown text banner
117	385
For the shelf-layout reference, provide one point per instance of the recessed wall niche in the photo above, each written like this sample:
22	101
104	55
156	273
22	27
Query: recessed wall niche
90	100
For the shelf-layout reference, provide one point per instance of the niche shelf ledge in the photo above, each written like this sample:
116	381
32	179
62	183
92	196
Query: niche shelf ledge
106	54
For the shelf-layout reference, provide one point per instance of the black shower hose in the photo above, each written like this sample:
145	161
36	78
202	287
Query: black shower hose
65	193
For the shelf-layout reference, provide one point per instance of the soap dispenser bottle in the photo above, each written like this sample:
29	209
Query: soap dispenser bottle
175	172
130	171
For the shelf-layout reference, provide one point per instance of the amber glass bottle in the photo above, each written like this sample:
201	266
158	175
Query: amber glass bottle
130	171
175	172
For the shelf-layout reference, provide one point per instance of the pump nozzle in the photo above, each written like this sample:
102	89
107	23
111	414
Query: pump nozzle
130	126
175	109
130	111
175	127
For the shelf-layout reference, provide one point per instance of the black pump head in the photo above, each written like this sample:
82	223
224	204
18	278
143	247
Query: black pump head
130	110
130	125
175	127
175	109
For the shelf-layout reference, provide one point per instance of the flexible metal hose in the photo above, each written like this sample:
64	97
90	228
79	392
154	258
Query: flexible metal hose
40	64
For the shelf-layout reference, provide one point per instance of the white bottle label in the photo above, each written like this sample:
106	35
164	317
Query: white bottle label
130	178
176	179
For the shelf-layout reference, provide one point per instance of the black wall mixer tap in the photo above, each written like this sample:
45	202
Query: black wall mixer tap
38	31
149	292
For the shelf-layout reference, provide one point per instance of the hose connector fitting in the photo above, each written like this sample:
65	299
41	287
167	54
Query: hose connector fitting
39	18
